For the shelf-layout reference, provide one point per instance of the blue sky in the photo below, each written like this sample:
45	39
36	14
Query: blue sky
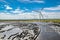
20	9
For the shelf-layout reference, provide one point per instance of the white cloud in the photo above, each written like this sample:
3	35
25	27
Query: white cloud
7	7
24	0
53	8
29	15
31	1
51	15
26	9
19	16
17	11
38	1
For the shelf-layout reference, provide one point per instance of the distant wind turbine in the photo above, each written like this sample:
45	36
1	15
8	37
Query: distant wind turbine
40	14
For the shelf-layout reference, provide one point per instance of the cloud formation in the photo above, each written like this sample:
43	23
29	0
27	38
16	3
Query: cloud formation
30	15
21	14
18	11
7	7
31	1
53	8
51	15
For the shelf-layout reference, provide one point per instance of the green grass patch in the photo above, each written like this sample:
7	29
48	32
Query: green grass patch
36	20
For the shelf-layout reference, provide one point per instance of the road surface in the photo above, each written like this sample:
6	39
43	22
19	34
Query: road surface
46	33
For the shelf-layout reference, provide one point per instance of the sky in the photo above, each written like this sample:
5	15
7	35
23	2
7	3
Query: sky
29	9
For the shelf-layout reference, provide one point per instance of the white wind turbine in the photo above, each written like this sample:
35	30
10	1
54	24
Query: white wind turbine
40	13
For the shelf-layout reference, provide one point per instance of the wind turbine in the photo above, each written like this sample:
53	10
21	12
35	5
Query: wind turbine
40	14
